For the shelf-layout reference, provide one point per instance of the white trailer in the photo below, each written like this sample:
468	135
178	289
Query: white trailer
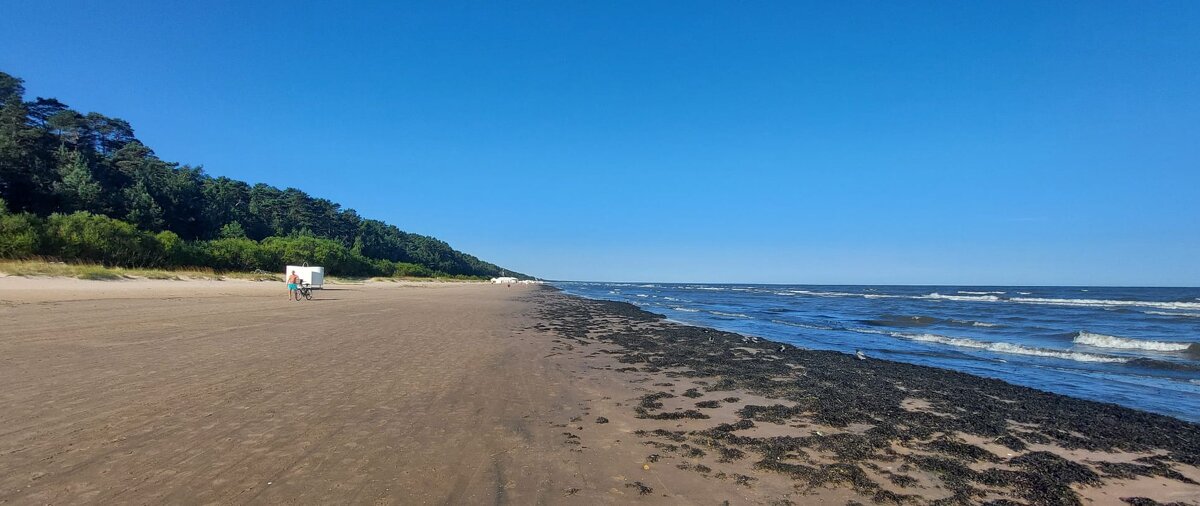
314	276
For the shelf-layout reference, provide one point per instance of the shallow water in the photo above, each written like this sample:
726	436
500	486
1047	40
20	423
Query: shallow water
1138	347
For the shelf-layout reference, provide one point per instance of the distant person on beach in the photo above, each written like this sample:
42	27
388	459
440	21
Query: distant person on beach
292	281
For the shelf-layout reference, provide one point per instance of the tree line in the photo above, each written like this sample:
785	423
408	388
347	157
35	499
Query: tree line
82	187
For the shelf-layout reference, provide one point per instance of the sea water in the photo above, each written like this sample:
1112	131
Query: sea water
1137	347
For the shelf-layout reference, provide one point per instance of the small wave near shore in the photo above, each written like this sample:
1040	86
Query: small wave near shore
1008	348
1125	343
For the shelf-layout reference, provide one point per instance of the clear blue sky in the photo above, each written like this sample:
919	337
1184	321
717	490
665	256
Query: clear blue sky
831	142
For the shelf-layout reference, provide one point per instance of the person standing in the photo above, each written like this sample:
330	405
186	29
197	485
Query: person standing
292	281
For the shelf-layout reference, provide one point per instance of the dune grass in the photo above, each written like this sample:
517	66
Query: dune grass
50	268
342	280
39	267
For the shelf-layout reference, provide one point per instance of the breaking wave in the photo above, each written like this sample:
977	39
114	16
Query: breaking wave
1107	303
972	298
732	315
1008	348
1170	313
825	294
998	296
1125	343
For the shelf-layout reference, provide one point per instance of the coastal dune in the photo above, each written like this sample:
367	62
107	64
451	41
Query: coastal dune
457	393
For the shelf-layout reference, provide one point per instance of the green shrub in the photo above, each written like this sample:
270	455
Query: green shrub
411	271
88	237
333	255
239	254
20	235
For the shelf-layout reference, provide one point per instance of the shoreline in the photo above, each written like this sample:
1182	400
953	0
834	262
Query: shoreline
834	420
1109	346
155	391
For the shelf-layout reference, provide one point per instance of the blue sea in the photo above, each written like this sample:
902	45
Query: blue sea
1138	347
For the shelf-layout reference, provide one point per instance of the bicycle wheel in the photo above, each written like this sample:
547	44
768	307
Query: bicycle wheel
297	294
308	295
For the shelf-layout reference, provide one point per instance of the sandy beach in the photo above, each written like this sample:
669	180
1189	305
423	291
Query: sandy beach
200	392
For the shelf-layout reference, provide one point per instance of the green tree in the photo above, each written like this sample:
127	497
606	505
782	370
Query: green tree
233	230
143	212
26	166
110	134
76	188
54	160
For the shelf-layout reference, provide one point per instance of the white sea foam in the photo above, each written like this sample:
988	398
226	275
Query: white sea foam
962	298
826	294
980	296
1108	303
1125	343
686	309
642	295
1008	348
870	331
1169	313
735	315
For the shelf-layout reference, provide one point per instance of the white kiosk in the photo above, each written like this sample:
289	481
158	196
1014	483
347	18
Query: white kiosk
313	276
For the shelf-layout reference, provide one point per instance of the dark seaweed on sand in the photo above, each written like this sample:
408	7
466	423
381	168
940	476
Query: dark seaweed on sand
642	489
1143	501
921	409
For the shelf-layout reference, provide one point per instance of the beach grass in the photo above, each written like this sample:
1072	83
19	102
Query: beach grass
397	279
48	268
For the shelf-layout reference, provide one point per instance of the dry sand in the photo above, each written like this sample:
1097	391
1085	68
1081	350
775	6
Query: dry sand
226	392
138	392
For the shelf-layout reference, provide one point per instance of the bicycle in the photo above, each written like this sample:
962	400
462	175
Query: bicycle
303	290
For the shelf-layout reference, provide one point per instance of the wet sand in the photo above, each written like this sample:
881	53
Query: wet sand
444	393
